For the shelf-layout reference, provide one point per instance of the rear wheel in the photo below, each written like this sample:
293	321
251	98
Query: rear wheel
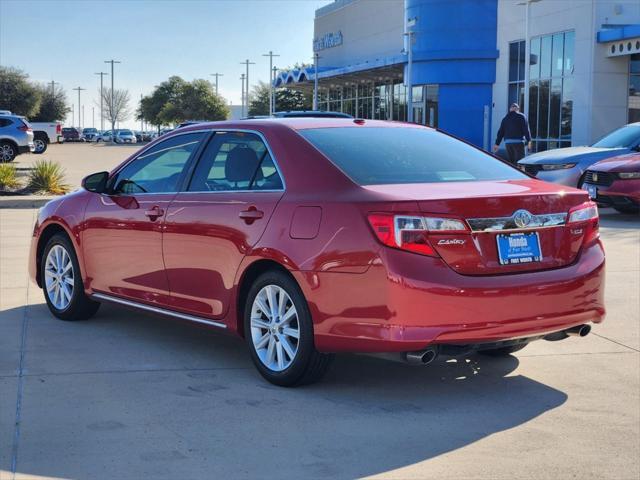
279	332
40	145
504	351
62	282
7	152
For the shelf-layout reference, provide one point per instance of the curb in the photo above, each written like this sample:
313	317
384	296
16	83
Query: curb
26	201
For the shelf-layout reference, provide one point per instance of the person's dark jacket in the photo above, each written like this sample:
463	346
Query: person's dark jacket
514	126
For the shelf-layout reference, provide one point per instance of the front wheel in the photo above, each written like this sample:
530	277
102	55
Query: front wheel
279	332
7	152
62	282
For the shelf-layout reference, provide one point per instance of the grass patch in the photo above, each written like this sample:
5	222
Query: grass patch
47	177
8	177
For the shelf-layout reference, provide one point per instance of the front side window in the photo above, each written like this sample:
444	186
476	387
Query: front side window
158	170
379	155
235	161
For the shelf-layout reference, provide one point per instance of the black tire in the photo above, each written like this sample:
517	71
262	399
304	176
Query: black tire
504	351
308	365
8	152
80	307
630	209
40	144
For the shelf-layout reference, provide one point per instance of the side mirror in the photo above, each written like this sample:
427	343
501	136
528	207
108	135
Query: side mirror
96	182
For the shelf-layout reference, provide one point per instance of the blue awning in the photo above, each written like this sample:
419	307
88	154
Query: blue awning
618	33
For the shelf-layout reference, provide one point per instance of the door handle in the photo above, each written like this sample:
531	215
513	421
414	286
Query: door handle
251	214
154	212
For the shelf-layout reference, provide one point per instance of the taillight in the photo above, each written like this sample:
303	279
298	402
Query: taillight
25	128
58	128
411	233
586	215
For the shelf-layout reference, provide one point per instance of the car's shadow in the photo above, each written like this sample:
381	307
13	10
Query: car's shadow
193	406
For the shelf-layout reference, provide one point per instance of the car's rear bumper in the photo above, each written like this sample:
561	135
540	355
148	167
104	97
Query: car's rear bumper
405	303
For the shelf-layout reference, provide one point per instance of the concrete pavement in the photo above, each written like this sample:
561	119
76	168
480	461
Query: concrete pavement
131	396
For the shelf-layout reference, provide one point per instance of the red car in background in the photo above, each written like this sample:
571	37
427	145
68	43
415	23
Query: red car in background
615	182
314	236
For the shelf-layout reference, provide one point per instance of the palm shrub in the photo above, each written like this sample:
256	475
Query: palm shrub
8	177
47	177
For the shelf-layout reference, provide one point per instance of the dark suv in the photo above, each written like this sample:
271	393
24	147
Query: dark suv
71	134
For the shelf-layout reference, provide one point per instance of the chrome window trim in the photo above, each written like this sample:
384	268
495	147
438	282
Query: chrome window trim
507	224
264	140
159	310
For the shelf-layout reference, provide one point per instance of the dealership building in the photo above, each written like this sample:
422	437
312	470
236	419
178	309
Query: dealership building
468	62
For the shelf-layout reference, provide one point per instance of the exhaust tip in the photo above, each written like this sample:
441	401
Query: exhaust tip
579	331
423	357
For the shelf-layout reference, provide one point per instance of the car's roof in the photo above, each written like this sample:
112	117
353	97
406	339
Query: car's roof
300	123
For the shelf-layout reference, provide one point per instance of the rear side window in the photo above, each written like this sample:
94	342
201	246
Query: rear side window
379	155
5	122
235	161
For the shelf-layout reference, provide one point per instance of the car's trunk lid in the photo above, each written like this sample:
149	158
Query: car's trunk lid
490	209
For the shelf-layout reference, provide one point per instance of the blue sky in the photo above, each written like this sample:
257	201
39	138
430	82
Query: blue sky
67	41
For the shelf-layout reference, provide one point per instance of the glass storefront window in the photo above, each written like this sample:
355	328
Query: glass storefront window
516	73
634	88
551	90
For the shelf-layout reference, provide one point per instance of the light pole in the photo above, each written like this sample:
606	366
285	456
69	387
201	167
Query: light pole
102	74
217	75
242	77
247	63
79	89
73	114
141	117
112	106
53	88
82	120
93	117
316	56
273	80
411	22
527	55
270	55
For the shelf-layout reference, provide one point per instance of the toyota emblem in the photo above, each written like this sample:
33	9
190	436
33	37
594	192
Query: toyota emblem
522	218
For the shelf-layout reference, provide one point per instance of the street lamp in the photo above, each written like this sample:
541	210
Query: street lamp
217	75
411	22
111	110
527	55
102	74
316	57
270	55
79	89
247	63
242	97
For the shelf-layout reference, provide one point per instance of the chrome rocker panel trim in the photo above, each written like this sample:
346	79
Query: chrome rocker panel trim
158	310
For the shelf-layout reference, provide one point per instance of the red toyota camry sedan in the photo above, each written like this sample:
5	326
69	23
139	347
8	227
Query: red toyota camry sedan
314	236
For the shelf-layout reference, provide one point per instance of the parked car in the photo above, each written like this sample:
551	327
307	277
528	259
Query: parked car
139	136
103	136
314	236
16	136
615	182
90	134
567	166
45	133
125	136
72	134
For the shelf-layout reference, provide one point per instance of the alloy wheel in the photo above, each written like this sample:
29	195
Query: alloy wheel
275	329
39	145
6	153
59	277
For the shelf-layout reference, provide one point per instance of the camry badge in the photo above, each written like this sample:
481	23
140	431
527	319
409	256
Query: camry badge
522	218
451	241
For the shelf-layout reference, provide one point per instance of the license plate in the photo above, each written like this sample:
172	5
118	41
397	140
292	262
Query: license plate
591	189
518	248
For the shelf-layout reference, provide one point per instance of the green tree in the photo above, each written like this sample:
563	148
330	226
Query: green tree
53	105
176	100
285	100
17	93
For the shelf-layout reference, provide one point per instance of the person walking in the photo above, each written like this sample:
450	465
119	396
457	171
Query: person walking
514	128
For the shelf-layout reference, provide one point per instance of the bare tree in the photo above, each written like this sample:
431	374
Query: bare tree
115	107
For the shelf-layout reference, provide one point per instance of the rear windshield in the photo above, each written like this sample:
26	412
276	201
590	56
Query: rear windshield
624	137
378	156
125	132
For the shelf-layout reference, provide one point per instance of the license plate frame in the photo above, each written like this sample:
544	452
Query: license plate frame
512	251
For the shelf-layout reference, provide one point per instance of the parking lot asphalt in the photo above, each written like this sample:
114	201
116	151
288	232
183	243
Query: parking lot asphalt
131	396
